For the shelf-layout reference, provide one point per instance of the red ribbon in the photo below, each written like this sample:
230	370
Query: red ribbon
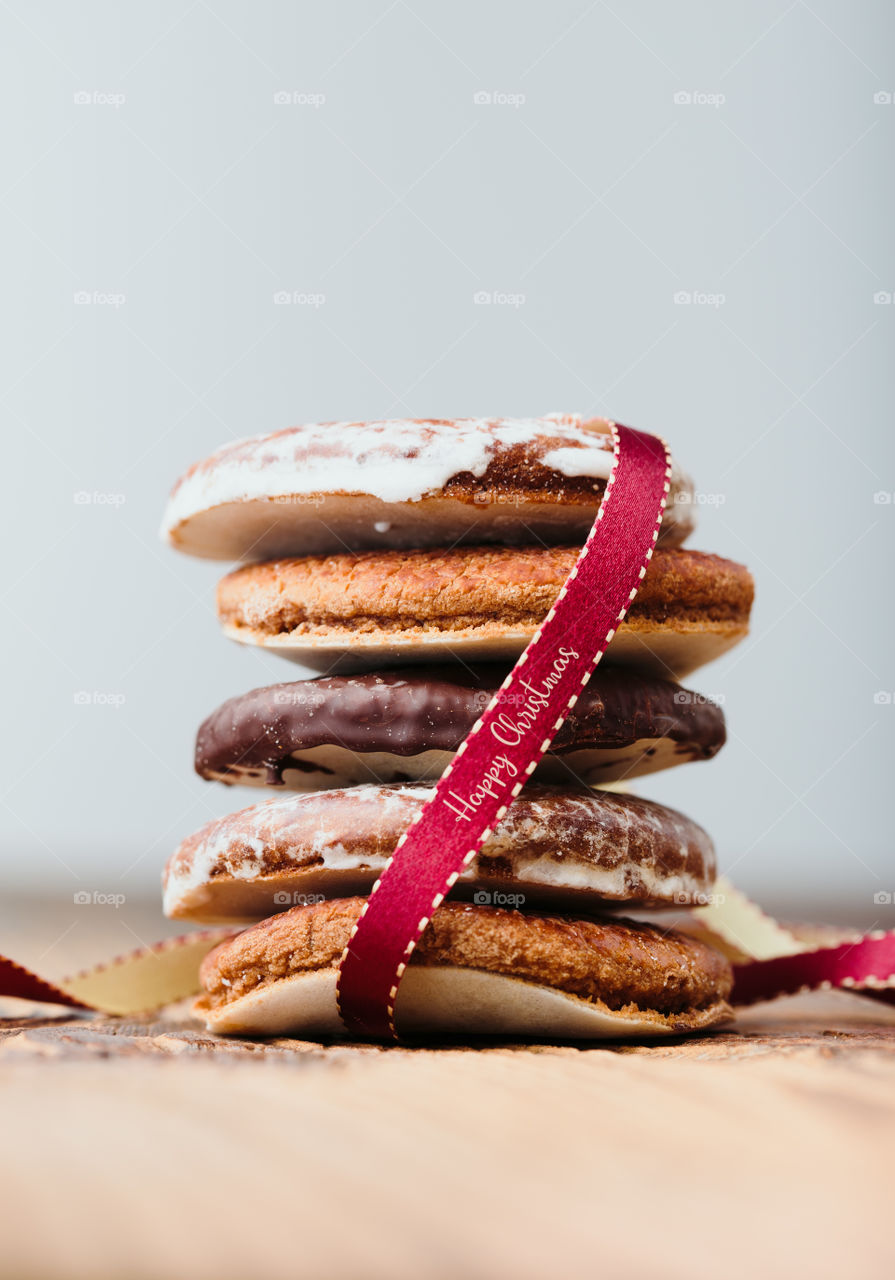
866	964
503	748
17	981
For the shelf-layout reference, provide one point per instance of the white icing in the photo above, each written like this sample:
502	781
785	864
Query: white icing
395	461
580	462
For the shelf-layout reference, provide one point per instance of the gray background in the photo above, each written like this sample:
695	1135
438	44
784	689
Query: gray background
181	197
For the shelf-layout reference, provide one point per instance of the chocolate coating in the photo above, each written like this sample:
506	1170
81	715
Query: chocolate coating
406	712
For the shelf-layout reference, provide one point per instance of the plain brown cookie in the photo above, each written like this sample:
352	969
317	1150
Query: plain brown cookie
382	607
465	587
616	963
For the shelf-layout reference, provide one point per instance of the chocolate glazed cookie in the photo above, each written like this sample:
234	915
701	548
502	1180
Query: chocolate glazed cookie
405	725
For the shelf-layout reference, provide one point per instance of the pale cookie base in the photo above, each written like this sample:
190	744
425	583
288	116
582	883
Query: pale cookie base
320	524
440	1000
334	766
234	900
669	650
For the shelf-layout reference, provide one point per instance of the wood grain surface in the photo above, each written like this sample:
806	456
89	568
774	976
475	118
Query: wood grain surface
153	1149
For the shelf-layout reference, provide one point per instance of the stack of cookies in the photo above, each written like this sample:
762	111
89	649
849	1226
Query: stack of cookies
409	563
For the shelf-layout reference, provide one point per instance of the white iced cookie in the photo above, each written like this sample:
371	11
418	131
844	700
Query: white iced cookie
325	487
564	847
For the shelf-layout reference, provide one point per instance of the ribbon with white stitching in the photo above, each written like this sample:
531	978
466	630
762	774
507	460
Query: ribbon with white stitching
505	745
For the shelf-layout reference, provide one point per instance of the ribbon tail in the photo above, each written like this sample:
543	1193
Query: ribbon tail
139	982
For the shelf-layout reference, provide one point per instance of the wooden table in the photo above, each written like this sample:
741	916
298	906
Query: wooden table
152	1149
